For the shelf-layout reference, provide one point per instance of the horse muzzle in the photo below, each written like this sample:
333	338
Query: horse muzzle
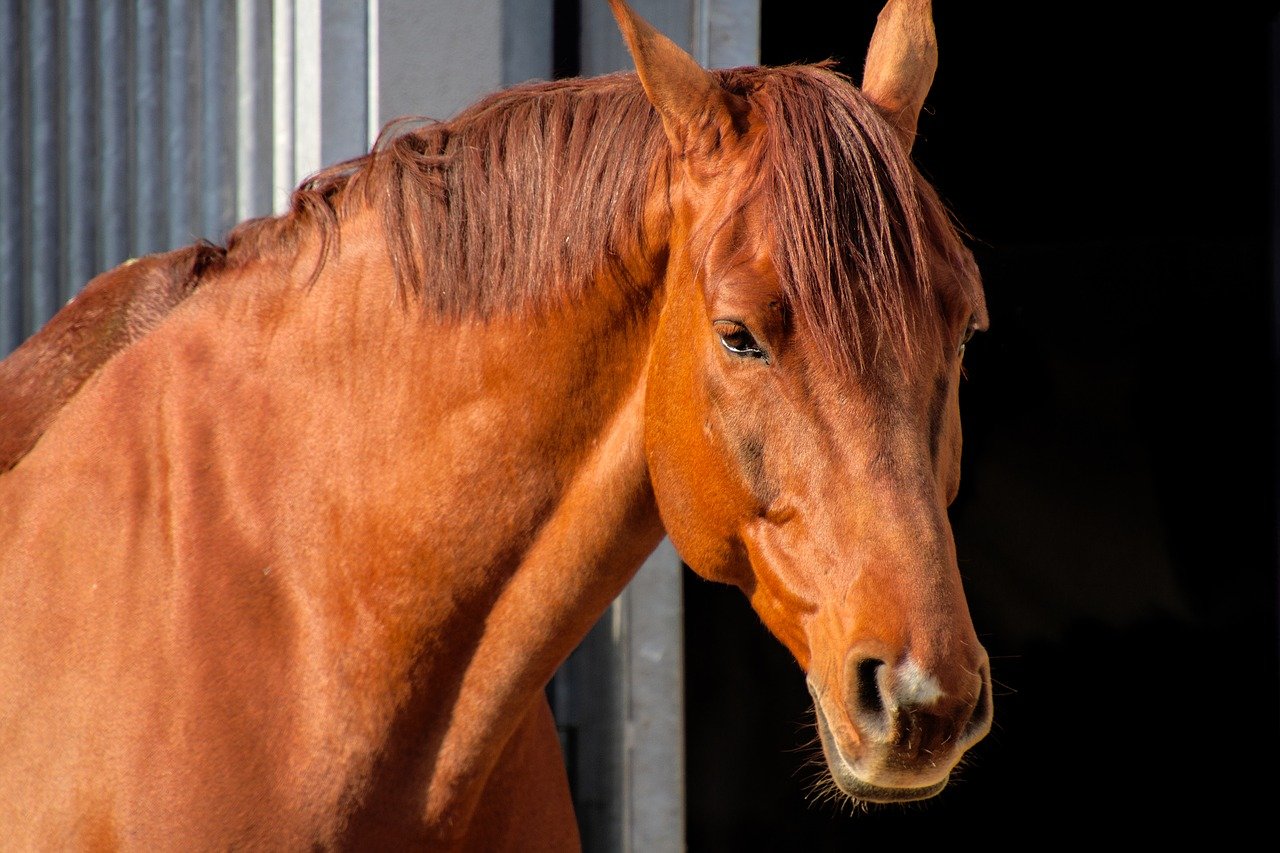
898	736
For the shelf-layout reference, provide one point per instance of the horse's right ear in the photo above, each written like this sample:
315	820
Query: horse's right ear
698	114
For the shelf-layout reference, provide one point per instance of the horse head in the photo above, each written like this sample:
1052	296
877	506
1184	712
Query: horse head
802	423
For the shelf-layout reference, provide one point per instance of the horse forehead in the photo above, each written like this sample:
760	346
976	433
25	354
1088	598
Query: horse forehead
739	235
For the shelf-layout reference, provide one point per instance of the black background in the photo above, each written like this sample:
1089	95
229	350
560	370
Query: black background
1117	520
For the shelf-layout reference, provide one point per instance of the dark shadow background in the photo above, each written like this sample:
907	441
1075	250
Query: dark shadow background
1117	521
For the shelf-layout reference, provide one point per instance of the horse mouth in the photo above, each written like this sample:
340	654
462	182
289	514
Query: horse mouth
848	782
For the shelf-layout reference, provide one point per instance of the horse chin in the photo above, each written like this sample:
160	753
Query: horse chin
848	781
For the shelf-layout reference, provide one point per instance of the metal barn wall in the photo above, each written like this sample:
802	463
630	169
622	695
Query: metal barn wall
135	126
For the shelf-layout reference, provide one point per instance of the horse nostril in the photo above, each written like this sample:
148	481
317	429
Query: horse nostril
980	720
868	698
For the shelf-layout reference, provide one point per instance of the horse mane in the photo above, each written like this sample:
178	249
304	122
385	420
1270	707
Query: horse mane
508	208
519	201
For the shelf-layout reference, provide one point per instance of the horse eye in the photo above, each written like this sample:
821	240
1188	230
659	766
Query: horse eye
967	336
738	340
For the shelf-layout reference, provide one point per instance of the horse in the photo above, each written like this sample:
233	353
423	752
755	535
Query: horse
291	566
112	311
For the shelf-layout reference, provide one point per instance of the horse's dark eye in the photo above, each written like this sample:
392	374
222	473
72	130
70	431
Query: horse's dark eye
737	340
968	335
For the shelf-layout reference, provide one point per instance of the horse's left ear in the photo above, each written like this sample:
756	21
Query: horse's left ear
901	61
697	113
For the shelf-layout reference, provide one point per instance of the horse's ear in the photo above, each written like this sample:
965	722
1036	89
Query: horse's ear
697	112
901	62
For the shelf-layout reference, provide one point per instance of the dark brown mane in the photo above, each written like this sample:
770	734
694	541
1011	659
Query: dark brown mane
520	199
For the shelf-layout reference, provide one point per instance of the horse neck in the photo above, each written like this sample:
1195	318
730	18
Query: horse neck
479	488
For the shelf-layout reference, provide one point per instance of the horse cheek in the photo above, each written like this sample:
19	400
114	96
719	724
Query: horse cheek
950	447
701	503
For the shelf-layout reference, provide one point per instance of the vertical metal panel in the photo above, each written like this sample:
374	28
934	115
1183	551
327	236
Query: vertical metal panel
437	56
373	122
526	40
41	158
729	32
135	126
282	103
591	705
653	786
622	698
307	85
79	210
344	121
217	118
181	111
253	108
12	257
115	134
149	178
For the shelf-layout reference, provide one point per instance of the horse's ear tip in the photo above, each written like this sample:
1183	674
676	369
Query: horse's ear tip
900	63
622	13
636	31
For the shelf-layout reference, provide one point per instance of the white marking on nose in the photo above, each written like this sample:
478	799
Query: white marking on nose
915	686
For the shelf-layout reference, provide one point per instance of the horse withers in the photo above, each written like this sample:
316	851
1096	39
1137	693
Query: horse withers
109	313
292	568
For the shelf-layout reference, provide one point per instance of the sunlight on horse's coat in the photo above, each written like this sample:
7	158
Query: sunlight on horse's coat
297	531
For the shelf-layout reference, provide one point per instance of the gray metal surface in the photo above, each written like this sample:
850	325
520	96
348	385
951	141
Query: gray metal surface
135	127
13	271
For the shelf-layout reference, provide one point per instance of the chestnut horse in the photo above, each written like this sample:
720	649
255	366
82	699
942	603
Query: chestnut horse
109	313
292	568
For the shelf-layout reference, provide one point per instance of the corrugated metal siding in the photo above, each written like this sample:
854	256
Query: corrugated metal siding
136	126
12	270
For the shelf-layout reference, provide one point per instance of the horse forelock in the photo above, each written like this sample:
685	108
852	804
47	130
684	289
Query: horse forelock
527	196
857	231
